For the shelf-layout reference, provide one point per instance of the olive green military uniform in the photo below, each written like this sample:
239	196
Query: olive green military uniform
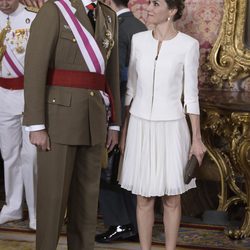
75	118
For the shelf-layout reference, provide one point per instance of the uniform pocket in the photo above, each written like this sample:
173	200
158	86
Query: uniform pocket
67	47
68	35
57	109
62	98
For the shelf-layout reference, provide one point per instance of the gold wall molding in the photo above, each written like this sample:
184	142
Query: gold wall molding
229	59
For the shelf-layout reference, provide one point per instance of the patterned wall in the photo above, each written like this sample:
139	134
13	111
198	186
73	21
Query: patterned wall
201	19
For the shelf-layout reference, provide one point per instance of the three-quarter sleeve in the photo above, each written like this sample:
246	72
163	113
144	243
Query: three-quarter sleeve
191	99
132	75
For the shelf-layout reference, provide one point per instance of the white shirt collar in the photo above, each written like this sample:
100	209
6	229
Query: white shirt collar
119	12
87	2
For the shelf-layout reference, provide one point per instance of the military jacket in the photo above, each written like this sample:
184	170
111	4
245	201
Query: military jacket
73	116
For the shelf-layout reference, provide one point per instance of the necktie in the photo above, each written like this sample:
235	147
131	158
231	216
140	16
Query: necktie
91	8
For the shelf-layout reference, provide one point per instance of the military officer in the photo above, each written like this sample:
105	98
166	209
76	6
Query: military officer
71	66
18	153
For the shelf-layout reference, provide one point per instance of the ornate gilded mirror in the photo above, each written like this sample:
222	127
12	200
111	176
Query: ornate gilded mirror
230	56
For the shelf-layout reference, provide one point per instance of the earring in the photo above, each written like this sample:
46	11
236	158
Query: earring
169	18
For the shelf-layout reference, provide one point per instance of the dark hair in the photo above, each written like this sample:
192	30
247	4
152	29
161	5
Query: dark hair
176	4
119	3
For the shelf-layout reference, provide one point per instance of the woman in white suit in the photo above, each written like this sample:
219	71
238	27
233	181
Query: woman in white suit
163	66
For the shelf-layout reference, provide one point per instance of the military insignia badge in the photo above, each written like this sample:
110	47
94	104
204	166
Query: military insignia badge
20	35
108	42
105	43
20	50
66	27
109	20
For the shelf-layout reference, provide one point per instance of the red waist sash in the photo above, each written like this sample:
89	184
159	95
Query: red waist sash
12	83
81	79
76	79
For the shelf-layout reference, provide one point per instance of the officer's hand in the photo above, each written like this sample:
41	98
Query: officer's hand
40	139
112	139
33	3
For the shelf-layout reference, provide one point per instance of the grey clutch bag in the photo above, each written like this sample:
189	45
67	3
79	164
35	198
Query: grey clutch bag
190	169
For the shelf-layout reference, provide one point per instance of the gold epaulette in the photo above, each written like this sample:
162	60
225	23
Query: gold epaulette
32	9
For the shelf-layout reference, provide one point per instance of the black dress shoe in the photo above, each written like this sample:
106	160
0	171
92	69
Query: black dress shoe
115	233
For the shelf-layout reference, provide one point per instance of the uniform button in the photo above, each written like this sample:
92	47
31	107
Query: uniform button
74	40
92	93
54	100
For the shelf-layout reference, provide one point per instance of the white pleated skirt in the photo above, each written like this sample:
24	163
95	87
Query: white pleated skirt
155	156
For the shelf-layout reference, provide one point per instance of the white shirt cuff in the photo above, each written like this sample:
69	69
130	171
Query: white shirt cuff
117	128
41	127
35	127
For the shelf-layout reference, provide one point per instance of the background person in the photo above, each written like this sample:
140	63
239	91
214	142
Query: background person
19	155
118	206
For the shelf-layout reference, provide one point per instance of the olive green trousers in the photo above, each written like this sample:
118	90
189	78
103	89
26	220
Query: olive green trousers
68	177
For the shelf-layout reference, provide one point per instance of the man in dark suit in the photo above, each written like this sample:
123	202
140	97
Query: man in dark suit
66	115
118	207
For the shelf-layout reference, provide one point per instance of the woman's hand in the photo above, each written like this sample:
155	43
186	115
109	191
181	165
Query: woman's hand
122	141
198	149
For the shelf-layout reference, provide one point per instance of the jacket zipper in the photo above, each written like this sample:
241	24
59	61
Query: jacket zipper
153	89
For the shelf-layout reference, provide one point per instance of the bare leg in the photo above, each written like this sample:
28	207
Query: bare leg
145	220
172	216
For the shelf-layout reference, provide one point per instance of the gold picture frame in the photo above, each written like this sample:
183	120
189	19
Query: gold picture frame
229	58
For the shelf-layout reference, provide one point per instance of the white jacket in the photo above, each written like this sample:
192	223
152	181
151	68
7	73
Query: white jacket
156	84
